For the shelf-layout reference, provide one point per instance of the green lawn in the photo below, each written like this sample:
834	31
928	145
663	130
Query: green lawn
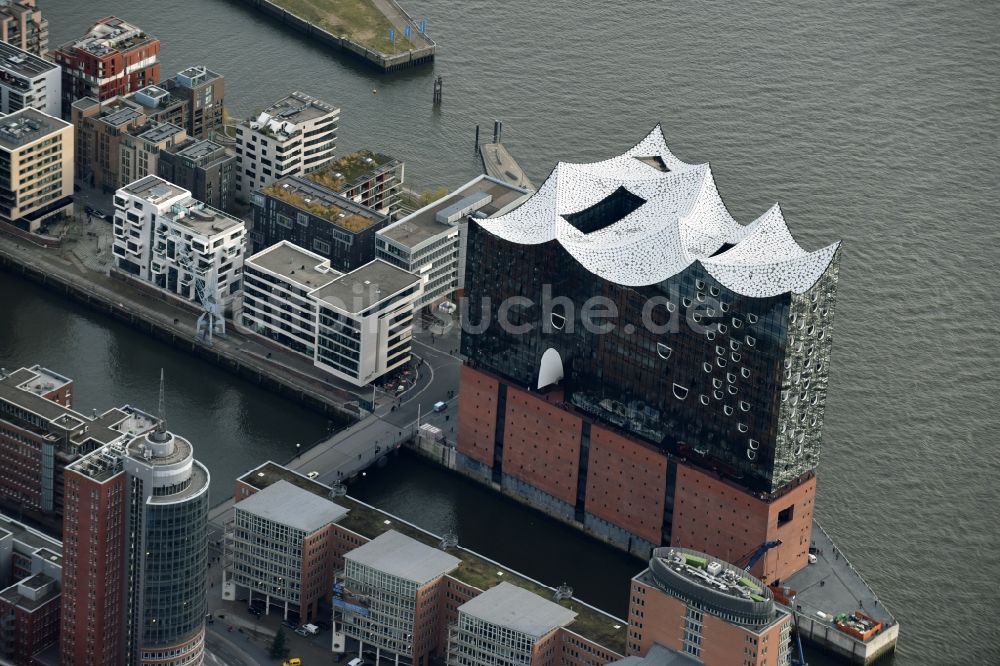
358	20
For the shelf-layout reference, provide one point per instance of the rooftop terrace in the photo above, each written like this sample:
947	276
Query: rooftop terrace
357	166
108	35
21	63
319	200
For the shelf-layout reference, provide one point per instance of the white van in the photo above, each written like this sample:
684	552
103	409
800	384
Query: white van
440	406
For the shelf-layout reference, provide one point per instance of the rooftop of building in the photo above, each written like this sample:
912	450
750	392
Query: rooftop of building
282	118
154	98
154	189
294	264
22	63
360	165
714	584
515	608
201	151
363	287
108	35
645	216
31	540
423	224
286	504
318	200
659	655
195	76
21	388
115	112
269	473
832	585
169	449
398	555
473	570
26	126
155	132
16	593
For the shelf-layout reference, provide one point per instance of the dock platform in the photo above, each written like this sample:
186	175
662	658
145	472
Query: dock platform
830	587
498	163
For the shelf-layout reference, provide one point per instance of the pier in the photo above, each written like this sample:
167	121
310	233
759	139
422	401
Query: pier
307	19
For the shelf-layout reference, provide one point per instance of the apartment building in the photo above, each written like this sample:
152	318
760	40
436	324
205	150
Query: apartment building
295	135
30	575
36	169
99	128
136	554
279	549
22	25
113	58
203	92
699	605
365	177
159	104
203	167
508	626
311	215
357	326
27	80
139	149
176	243
430	241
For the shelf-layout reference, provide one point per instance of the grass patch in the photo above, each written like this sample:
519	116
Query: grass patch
358	20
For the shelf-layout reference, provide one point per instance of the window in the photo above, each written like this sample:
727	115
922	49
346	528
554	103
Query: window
558	321
752	318
663	350
321	246
785	515
680	392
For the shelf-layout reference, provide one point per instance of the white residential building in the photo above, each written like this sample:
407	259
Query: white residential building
430	241
293	136
357	326
166	238
27	81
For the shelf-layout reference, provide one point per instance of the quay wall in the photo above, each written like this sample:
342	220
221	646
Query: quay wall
387	62
125	309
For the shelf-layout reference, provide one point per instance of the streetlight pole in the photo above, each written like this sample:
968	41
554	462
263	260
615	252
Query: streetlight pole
298	449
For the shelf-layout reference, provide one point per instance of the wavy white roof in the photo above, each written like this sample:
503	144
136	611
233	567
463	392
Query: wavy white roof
682	221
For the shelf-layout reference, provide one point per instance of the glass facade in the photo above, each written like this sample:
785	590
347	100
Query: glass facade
732	383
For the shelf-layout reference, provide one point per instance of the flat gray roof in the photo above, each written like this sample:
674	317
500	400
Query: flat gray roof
156	132
422	225
287	504
398	555
32	538
153	188
120	115
23	63
198	150
659	655
365	286
294	264
516	608
298	107
22	127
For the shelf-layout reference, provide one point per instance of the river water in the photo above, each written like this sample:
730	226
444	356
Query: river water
870	121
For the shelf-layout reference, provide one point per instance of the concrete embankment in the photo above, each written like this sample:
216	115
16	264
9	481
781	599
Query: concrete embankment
174	322
422	53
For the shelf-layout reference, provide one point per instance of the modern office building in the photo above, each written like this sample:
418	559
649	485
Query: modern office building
203	92
693	416
113	58
30	575
136	554
371	179
294	136
36	169
402	582
28	81
280	549
357	326
22	25
176	243
507	626
697	604
203	167
139	149
313	216
431	241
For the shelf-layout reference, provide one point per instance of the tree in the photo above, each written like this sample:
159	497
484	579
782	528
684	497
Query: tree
279	650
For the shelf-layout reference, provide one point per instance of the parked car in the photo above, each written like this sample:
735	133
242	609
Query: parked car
312	475
290	624
301	631
440	406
